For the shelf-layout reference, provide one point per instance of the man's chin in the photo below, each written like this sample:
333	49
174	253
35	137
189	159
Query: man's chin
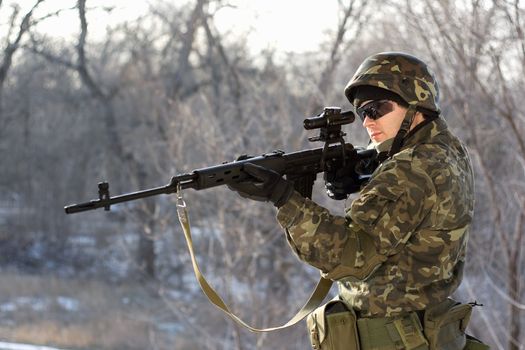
377	139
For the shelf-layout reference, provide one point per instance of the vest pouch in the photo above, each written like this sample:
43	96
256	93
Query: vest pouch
333	327
444	325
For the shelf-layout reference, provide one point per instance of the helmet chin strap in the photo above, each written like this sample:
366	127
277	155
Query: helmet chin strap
403	130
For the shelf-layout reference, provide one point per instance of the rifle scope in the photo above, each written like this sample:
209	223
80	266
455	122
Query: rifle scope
331	116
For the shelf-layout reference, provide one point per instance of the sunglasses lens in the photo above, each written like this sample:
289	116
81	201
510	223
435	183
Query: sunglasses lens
375	109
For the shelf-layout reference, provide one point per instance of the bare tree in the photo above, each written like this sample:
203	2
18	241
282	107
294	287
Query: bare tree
353	16
125	157
12	43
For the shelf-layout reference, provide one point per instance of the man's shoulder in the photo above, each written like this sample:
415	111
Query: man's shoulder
419	161
427	153
431	152
440	149
403	171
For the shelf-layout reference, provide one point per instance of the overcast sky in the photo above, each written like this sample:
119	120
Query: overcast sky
291	25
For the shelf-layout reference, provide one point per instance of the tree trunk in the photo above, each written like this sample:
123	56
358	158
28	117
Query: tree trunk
146	255
514	319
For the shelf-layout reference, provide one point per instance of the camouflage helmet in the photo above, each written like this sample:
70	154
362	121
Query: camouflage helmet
400	73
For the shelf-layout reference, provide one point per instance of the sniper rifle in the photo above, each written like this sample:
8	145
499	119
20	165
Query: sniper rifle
301	167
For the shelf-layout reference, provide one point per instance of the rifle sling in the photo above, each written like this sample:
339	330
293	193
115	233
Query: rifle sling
315	300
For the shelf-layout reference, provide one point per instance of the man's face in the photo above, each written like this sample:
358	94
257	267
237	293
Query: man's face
386	126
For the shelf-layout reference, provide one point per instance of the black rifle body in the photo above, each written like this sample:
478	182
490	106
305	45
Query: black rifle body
301	167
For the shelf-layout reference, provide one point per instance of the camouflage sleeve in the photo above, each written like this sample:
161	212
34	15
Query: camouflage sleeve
315	235
389	208
394	203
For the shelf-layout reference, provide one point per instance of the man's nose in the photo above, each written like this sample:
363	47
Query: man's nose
368	121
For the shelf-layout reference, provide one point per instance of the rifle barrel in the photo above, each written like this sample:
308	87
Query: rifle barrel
185	181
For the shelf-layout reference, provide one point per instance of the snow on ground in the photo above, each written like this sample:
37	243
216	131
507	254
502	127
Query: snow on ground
40	303
17	346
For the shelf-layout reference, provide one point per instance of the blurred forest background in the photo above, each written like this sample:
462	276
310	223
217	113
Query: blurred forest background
167	93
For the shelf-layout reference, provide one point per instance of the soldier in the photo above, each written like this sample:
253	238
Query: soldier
398	253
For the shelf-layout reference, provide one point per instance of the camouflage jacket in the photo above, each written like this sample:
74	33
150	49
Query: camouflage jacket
401	245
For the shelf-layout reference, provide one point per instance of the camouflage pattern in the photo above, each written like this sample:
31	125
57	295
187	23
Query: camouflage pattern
401	245
400	73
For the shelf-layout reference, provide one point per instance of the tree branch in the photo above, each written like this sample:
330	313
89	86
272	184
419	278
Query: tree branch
82	61
351	11
13	46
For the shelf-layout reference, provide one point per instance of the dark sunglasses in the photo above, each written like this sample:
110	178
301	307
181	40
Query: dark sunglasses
375	109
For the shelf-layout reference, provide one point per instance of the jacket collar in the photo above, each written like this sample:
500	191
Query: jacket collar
424	132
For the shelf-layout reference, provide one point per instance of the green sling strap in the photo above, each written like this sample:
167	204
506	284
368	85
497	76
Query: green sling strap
315	300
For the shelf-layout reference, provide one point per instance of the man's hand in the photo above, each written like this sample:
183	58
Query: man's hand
263	185
341	182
